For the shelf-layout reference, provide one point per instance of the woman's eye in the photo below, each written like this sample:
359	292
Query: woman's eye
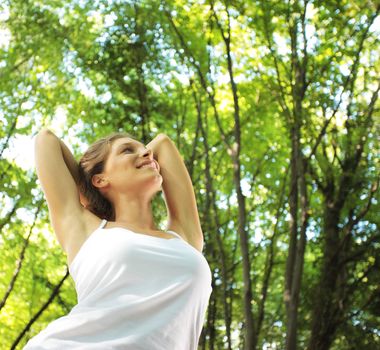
128	148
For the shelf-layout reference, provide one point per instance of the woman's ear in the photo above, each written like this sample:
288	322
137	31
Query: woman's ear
99	181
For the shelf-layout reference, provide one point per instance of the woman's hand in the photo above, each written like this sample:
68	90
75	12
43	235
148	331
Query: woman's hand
154	145
83	200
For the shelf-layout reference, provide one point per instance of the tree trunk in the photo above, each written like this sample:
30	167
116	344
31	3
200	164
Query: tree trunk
326	312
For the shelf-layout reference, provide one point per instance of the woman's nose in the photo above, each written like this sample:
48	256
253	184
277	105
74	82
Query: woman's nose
148	152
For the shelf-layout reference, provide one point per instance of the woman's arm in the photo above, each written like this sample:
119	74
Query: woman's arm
73	167
154	145
70	161
57	172
178	191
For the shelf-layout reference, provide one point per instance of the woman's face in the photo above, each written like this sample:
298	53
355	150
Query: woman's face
123	172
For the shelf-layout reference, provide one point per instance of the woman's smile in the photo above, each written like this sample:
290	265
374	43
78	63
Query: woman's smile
152	164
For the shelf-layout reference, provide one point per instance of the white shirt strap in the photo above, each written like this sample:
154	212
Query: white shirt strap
102	224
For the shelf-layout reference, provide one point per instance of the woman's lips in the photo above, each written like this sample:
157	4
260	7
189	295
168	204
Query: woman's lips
152	165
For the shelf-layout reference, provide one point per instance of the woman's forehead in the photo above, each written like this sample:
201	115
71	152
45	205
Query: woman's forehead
126	140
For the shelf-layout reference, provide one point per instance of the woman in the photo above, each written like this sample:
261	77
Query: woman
138	287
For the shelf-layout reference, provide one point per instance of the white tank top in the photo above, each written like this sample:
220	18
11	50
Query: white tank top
135	292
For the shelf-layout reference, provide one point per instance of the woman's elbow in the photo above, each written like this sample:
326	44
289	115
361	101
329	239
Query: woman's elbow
43	138
44	131
45	134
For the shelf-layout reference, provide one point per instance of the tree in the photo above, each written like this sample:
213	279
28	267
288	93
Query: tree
273	106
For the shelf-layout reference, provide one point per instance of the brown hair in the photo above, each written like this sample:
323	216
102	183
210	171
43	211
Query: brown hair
92	163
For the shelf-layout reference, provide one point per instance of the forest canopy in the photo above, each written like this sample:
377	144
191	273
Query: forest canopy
274	106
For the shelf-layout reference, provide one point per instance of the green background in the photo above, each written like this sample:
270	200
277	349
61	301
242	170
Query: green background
274	107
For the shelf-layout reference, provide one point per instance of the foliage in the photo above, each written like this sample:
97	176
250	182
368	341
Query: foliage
87	68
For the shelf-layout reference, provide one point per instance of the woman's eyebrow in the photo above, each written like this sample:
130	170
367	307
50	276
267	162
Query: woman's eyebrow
129	143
